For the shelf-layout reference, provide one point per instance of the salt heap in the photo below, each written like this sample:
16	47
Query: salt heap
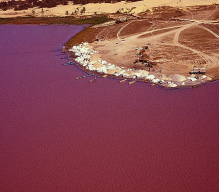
178	78
171	84
192	78
91	60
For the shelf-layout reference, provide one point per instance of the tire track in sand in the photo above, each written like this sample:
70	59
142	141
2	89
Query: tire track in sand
210	61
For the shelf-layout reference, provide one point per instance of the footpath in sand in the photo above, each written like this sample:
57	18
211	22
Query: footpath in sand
176	44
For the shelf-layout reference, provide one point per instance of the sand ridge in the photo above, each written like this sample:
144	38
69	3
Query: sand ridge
100	8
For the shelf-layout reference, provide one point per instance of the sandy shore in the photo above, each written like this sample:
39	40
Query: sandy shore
90	60
100	8
174	44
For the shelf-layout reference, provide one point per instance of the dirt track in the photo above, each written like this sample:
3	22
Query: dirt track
175	52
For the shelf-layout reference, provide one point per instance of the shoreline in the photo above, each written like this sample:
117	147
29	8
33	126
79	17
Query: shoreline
70	20
116	49
90	61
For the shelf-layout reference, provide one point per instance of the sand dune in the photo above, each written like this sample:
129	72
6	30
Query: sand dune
133	7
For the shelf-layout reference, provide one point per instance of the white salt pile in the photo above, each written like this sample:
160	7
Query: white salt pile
91	60
178	78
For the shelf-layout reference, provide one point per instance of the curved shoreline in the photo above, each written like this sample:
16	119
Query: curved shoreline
169	77
178	58
90	61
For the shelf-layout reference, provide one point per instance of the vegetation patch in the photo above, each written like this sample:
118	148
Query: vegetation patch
55	20
86	35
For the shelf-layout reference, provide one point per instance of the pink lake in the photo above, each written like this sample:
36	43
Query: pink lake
60	134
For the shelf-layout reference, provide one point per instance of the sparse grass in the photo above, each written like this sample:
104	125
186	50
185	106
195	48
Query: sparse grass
86	35
55	20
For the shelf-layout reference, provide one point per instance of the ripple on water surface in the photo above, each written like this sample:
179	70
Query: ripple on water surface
59	134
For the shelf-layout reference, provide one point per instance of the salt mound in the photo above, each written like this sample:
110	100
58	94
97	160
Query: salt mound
93	62
98	65
164	77
192	78
150	77
178	78
112	71
209	78
88	46
172	85
143	72
95	57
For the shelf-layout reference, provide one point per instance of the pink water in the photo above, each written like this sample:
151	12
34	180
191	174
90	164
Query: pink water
61	134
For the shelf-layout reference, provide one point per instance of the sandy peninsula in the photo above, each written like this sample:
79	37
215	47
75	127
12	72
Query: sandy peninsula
171	43
181	46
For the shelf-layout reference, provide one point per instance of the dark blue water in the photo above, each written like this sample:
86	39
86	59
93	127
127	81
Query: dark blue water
62	134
